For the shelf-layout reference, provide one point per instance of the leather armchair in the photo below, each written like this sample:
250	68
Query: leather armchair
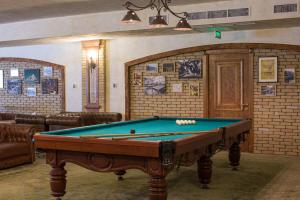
16	146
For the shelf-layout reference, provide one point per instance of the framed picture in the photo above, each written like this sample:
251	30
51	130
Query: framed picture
14	72
190	68
152	67
289	76
194	89
50	86
154	85
31	91
47	71
31	76
267	69
14	87
168	67
137	78
177	87
1	79
268	90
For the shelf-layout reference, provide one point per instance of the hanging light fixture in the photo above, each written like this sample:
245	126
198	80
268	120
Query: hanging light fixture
159	21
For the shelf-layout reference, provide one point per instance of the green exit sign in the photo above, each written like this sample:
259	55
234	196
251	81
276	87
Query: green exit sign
218	34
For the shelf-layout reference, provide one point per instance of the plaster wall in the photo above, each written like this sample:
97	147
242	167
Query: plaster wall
68	55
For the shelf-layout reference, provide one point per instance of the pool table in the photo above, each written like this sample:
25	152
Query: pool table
154	145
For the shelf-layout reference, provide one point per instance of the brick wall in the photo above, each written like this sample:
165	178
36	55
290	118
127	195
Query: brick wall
41	103
170	103
276	119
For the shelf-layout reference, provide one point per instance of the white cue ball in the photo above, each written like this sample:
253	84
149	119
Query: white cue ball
194	121
179	123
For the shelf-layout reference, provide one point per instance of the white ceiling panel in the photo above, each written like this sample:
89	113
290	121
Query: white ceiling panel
20	10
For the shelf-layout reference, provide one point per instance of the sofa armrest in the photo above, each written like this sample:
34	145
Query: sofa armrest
16	133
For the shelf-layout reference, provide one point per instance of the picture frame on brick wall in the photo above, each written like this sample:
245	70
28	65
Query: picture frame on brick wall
194	89
152	67
290	75
1	79
268	90
267	70
14	87
47	71
154	85
137	78
189	69
32	76
177	87
168	67
50	86
31	91
14	72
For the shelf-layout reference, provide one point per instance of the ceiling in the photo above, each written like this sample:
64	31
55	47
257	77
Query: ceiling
21	10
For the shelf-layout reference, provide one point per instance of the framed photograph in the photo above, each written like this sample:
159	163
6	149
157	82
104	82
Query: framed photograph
50	86
194	89
31	91
14	87
137	78
190	68
289	76
168	67
268	90
267	69
152	67
177	87
1	79
14	72
154	85
47	71
32	76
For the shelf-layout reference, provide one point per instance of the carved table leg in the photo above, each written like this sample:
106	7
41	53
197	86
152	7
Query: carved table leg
204	170
120	174
58	181
234	155
158	188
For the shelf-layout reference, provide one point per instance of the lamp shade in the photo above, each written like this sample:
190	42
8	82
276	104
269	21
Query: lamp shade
183	25
131	18
159	22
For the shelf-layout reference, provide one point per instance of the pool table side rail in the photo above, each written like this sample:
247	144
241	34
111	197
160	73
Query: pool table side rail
122	147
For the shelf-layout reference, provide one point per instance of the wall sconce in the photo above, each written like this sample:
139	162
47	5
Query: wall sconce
92	58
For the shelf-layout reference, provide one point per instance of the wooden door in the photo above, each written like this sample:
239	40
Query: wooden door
230	88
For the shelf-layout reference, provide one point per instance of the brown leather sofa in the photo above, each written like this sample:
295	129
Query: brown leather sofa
39	121
16	146
77	119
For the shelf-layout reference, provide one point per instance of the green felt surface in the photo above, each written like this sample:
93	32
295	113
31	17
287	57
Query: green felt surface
151	125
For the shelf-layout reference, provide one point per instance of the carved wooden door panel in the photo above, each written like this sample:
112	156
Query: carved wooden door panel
230	88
